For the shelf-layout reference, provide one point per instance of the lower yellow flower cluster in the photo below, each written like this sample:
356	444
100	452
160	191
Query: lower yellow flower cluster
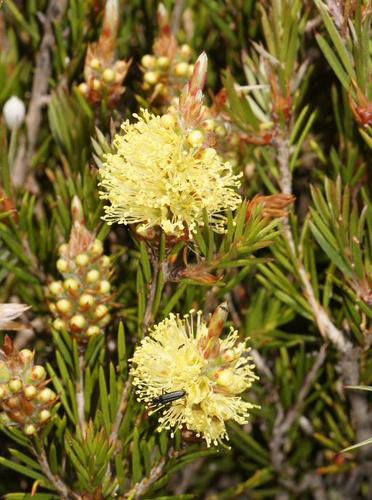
182	354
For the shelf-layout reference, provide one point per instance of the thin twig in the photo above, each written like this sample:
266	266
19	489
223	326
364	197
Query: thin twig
283	421
43	71
121	410
55	480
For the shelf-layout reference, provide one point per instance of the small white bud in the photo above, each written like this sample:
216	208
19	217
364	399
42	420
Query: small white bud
14	112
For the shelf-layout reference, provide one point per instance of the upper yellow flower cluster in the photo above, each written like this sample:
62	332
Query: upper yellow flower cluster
161	176
181	355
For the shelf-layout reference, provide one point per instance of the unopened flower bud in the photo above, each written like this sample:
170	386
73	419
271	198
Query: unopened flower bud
46	395
64	306
199	75
100	311
217	321
97	248
3	392
185	51
62	249
38	373
108	75
59	325
30	392
52	308
62	265
151	77
209	125
82	260
29	429
93	330
86	300
105	261
96	84
44	416
26	356
77	322
221	131
15	385
148	61
95	64
14	112
168	120
83	88
56	288
195	138
13	402
104	286
225	377
181	69
71	284
105	320
93	276
208	154
163	62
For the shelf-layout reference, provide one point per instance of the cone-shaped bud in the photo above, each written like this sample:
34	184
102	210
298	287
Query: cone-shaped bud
217	321
162	16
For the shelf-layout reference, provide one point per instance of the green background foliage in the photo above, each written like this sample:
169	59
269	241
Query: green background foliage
298	287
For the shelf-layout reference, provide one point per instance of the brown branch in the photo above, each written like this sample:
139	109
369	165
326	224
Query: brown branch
156	472
55	480
148	317
43	71
79	388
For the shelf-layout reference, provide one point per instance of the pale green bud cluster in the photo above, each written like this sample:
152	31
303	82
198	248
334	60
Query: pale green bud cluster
25	401
80	303
162	72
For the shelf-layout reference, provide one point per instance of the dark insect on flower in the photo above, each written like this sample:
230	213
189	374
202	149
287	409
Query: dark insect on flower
168	397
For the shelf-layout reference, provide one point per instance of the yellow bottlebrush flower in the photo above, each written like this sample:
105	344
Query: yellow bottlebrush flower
156	177
186	355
